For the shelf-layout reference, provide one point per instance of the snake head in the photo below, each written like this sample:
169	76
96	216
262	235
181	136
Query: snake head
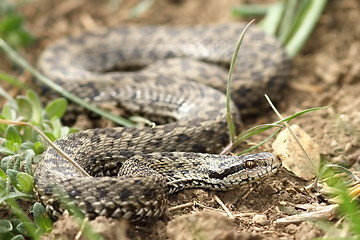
240	170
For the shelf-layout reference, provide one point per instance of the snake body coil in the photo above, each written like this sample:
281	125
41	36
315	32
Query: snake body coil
159	72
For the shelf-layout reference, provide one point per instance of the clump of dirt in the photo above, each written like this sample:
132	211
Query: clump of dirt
69	227
205	225
327	71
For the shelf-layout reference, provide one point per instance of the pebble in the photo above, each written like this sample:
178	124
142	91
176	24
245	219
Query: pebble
260	219
292	156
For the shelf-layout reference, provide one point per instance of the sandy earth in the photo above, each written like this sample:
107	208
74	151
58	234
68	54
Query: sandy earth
327	71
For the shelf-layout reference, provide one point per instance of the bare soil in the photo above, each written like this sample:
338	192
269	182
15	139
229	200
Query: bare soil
327	71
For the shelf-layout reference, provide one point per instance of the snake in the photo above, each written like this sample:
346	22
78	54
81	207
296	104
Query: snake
175	76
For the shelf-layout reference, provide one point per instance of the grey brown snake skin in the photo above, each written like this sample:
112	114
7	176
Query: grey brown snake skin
134	169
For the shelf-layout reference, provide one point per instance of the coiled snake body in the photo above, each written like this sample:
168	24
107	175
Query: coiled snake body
159	72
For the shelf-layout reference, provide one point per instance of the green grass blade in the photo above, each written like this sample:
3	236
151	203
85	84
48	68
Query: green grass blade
291	21
295	115
272	18
13	55
13	81
262	128
290	9
250	10
261	143
254	131
231	125
303	25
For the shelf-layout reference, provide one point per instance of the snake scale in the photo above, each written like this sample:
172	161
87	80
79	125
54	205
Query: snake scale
174	73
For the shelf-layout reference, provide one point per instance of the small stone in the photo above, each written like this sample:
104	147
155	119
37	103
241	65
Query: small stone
334	143
308	230
291	228
293	157
260	219
348	147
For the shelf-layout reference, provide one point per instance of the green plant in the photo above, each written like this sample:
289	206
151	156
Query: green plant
291	21
20	147
12	27
28	108
342	186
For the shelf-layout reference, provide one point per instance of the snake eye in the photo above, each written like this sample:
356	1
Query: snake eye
250	164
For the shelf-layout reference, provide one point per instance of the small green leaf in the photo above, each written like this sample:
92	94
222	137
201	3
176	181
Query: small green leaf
7	235
29	156
36	106
25	107
38	233
5	151
56	108
3	127
50	135
27	145
12	146
56	124
25	182
2	174
19	38
12	30
41	217
6	163
11	173
16	161
3	190
10	23
15	221
12	80
14	196
8	112
5	226
26	228
18	237
39	147
12	134
27	133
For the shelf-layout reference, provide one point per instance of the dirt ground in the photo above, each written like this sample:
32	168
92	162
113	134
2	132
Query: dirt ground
327	71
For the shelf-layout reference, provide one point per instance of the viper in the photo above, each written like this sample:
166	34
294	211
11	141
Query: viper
175	76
